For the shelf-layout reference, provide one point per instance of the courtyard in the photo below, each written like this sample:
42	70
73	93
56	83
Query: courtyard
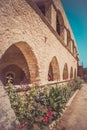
75	117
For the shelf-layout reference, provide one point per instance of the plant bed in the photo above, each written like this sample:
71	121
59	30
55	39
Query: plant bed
40	109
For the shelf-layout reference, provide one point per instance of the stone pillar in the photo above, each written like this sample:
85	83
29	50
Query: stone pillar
7	116
65	36
53	17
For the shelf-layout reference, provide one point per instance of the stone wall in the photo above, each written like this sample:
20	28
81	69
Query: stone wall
7	117
20	23
29	42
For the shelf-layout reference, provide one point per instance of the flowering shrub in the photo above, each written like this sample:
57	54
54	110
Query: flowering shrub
40	108
76	83
22	125
79	82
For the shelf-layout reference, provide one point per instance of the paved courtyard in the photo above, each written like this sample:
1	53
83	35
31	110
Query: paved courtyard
75	117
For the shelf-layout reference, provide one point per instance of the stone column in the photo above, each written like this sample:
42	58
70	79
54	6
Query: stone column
65	36
7	116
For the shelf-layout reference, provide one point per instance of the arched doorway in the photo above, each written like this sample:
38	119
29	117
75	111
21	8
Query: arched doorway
53	72
19	61
65	72
71	73
15	74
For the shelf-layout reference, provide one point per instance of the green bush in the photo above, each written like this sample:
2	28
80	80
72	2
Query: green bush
40	107
79	82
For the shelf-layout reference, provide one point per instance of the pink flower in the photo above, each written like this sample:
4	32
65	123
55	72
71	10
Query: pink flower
50	113
22	125
45	119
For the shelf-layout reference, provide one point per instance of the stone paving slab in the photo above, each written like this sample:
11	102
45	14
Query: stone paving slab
75	117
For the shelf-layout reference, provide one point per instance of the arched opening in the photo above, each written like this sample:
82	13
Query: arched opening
75	52
65	72
72	46
15	73
41	5
60	24
19	60
75	75
71	73
68	40
50	73
54	72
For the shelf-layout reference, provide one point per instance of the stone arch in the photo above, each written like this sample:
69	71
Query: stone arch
20	56
75	75
71	72
60	24
53	72
65	72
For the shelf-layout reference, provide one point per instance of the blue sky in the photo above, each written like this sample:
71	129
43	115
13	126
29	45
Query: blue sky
76	11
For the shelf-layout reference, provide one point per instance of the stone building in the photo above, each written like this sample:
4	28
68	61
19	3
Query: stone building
82	72
36	45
